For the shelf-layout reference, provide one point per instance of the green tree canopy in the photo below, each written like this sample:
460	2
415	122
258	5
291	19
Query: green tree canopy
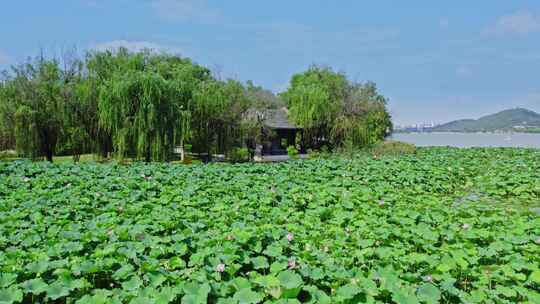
32	100
146	100
143	105
145	112
334	111
217	114
7	115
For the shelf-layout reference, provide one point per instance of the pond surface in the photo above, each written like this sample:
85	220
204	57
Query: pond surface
467	140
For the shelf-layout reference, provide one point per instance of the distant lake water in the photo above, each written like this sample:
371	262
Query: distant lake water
468	140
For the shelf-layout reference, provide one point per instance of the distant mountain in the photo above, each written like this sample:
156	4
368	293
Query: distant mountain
518	119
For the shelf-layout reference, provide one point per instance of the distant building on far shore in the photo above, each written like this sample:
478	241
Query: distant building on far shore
422	127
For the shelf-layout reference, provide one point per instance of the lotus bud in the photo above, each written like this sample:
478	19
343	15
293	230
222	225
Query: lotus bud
220	267
428	278
290	237
291	263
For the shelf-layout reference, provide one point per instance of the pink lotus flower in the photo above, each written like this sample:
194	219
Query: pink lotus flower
381	203
466	226
220	267
290	237
291	263
428	278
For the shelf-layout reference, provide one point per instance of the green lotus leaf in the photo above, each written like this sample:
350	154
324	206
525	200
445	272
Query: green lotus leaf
402	297
428	293
290	279
196	293
348	292
7	279
535	276
57	290
124	272
10	295
247	296
132	284
34	286
260	262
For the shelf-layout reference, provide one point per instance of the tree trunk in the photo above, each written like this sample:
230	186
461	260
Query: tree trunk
46	145
182	152
147	157
49	155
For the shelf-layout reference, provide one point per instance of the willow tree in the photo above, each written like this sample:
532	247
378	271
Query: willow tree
142	112
7	116
260	98
231	129
217	110
100	68
35	102
335	111
82	133
370	108
139	84
207	105
315	98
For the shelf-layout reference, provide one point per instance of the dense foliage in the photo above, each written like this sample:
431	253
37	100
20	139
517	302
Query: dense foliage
336	112
144	105
32	101
443	224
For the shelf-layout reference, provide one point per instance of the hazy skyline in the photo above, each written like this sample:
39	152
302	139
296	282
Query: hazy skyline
435	61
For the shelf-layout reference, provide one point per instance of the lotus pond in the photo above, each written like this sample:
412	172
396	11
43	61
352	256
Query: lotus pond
442	226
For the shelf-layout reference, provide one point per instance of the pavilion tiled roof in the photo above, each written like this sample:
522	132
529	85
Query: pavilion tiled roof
278	119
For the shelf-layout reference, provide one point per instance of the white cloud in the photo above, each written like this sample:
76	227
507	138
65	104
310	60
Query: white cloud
135	46
184	10
518	23
444	23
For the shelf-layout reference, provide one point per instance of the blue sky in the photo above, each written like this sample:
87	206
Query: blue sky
435	60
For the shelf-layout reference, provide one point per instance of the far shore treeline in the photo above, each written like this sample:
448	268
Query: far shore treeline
143	105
